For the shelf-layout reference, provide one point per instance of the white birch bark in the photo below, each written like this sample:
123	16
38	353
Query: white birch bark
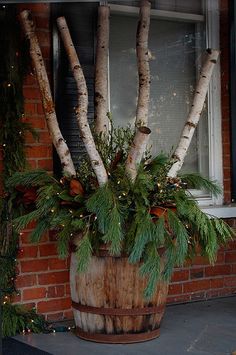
82	108
101	72
143	64
136	151
195	112
47	101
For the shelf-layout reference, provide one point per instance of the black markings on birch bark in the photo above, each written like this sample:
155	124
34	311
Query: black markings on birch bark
82	108
195	112
47	101
101	72
143	64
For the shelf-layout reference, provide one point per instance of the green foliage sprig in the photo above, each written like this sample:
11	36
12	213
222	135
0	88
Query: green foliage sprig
14	64
18	319
13	129
155	221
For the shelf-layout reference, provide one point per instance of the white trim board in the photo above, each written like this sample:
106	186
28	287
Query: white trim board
160	14
220	211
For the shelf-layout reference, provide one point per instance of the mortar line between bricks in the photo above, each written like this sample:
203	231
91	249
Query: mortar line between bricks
48	285
37	273
45	299
39	258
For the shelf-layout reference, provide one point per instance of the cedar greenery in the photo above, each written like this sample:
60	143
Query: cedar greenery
14	65
121	214
18	319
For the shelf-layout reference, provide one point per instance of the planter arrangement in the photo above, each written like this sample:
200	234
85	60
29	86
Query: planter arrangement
127	217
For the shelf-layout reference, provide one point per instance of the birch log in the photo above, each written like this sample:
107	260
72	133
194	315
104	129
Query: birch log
195	112
143	64
44	86
101	72
82	108
136	151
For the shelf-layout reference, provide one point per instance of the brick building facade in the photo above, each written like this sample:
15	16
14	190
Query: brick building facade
43	279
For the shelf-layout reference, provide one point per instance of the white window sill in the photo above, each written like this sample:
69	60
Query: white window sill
228	211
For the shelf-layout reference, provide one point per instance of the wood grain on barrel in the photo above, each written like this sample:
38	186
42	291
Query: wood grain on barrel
112	282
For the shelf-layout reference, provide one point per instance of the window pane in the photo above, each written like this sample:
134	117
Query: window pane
176	50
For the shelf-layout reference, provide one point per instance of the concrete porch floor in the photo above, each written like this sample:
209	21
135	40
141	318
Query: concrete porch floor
200	328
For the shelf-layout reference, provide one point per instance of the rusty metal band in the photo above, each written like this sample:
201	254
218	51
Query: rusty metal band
118	311
118	338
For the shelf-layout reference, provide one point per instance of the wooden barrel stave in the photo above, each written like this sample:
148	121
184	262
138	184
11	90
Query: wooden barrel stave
113	283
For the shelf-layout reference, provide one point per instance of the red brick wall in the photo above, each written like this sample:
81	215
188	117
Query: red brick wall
200	281
43	280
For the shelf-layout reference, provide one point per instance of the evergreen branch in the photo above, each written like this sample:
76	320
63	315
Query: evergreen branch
130	236
141	187
185	205
31	178
114	234
101	203
63	240
153	279
59	219
145	233
22	221
170	260
210	241
77	224
224	231
16	319
64	195
159	162
84	252
107	209
196	181
47	199
159	232
151	269
41	227
180	236
211	231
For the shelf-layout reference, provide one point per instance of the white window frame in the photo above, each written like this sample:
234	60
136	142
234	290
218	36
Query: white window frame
211	17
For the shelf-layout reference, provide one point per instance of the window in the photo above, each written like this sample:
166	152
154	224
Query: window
180	32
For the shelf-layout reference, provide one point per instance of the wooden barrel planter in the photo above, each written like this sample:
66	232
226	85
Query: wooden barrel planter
108	302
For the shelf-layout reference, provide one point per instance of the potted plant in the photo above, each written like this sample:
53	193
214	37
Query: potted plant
128	218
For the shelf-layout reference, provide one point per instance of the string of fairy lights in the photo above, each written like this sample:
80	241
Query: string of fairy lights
11	110
13	67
